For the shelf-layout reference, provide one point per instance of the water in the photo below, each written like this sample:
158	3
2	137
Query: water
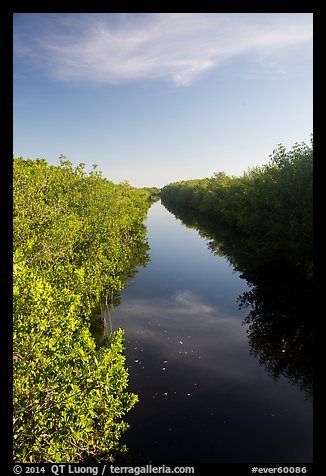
203	397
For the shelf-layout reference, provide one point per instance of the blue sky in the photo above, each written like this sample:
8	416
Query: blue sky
156	98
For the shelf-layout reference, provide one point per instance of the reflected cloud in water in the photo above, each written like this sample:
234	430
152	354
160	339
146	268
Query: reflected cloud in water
210	388
196	338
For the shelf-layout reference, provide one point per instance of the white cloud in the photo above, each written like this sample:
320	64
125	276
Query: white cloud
179	47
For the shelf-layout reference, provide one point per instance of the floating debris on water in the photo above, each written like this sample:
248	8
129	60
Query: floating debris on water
164	368
180	342
165	361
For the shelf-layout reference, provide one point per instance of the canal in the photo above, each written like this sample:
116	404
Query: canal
203	397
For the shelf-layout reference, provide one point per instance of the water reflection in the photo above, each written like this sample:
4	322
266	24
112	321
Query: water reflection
280	300
101	322
164	329
280	326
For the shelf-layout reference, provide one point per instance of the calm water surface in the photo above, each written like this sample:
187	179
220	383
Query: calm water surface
203	397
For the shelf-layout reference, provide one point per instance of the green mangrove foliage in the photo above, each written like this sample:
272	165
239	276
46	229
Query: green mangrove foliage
77	237
269	206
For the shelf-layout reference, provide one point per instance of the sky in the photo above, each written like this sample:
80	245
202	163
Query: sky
154	98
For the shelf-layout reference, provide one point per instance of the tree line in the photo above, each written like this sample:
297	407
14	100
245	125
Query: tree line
269	206
77	238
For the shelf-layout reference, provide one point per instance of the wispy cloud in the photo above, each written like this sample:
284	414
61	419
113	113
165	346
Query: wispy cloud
178	47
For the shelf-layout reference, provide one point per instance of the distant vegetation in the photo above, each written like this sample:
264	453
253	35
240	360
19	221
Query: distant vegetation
269	206
154	192
77	238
